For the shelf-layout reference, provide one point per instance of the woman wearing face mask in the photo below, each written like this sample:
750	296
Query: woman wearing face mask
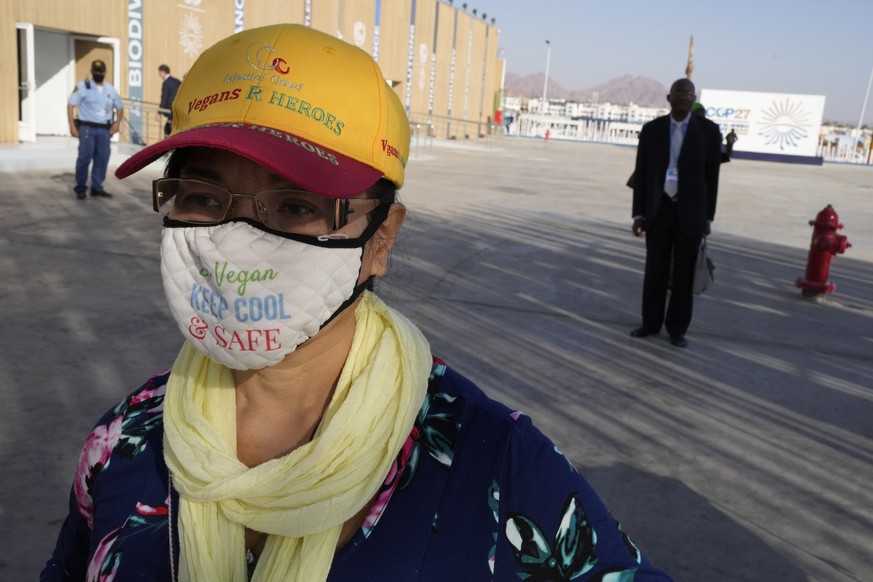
305	432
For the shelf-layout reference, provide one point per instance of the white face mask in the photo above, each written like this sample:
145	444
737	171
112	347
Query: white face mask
246	297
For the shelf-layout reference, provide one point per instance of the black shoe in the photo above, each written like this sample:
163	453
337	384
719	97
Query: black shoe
678	340
101	193
80	194
642	331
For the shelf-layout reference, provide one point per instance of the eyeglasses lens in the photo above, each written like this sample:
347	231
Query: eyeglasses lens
193	201
297	212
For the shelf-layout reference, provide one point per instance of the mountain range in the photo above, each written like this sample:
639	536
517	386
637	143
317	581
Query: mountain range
624	89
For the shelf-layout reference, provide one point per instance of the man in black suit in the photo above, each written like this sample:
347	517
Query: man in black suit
169	88
675	189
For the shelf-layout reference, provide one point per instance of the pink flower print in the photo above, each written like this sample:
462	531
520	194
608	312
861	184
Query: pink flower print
94	458
390	483
149	511
105	562
144	395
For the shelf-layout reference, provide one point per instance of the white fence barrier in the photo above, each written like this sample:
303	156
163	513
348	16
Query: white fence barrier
838	149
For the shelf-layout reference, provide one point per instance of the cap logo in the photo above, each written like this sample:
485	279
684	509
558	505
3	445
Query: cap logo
392	151
300	106
258	56
200	104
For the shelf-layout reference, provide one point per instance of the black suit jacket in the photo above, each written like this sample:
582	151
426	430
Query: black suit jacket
698	166
169	88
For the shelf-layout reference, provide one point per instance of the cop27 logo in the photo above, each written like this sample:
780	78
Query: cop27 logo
785	124
260	57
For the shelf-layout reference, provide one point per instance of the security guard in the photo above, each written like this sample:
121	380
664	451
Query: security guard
100	113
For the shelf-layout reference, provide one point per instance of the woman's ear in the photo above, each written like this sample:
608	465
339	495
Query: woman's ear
383	241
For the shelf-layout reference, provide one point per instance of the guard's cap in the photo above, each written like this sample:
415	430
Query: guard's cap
98	66
311	108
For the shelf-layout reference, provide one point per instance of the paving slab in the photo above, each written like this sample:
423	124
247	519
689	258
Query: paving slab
746	456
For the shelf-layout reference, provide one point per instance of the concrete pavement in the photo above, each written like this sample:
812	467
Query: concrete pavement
746	456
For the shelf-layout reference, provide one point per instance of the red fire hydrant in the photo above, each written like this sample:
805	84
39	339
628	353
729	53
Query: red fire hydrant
825	244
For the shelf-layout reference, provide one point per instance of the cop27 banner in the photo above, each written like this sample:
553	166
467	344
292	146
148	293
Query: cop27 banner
781	124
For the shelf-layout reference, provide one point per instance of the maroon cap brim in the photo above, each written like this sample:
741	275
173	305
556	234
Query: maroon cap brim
306	164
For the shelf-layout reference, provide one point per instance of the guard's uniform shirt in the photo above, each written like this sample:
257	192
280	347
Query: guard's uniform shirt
96	102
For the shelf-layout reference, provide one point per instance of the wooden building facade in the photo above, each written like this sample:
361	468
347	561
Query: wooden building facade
440	59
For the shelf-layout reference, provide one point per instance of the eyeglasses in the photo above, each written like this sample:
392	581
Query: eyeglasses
290	211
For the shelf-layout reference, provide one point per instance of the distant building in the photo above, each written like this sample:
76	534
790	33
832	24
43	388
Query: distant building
586	121
630	112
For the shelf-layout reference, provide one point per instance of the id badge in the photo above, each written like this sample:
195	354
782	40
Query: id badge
672	175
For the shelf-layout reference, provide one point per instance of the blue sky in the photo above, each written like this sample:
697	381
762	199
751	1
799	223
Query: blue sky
813	47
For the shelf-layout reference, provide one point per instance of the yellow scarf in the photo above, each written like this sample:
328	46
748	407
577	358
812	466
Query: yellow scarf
303	498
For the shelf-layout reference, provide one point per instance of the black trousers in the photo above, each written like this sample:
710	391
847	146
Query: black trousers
667	245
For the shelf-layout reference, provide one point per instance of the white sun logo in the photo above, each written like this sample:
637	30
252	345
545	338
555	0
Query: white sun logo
360	33
785	124
191	35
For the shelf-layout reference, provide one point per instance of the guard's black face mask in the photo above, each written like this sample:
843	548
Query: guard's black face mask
98	77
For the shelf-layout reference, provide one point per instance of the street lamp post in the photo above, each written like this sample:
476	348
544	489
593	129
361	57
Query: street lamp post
864	105
546	83
860	136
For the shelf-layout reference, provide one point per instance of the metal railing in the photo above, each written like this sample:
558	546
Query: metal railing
850	151
453	128
142	126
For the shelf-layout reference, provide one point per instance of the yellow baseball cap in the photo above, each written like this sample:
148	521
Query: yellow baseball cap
310	107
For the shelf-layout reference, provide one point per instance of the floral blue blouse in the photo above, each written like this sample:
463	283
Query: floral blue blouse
476	493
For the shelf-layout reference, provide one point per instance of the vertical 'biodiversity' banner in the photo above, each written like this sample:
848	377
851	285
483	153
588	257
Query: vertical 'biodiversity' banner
134	69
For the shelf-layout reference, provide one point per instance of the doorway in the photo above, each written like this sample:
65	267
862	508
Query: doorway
50	63
26	83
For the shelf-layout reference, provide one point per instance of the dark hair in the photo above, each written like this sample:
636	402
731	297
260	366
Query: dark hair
176	162
164	69
384	191
683	80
